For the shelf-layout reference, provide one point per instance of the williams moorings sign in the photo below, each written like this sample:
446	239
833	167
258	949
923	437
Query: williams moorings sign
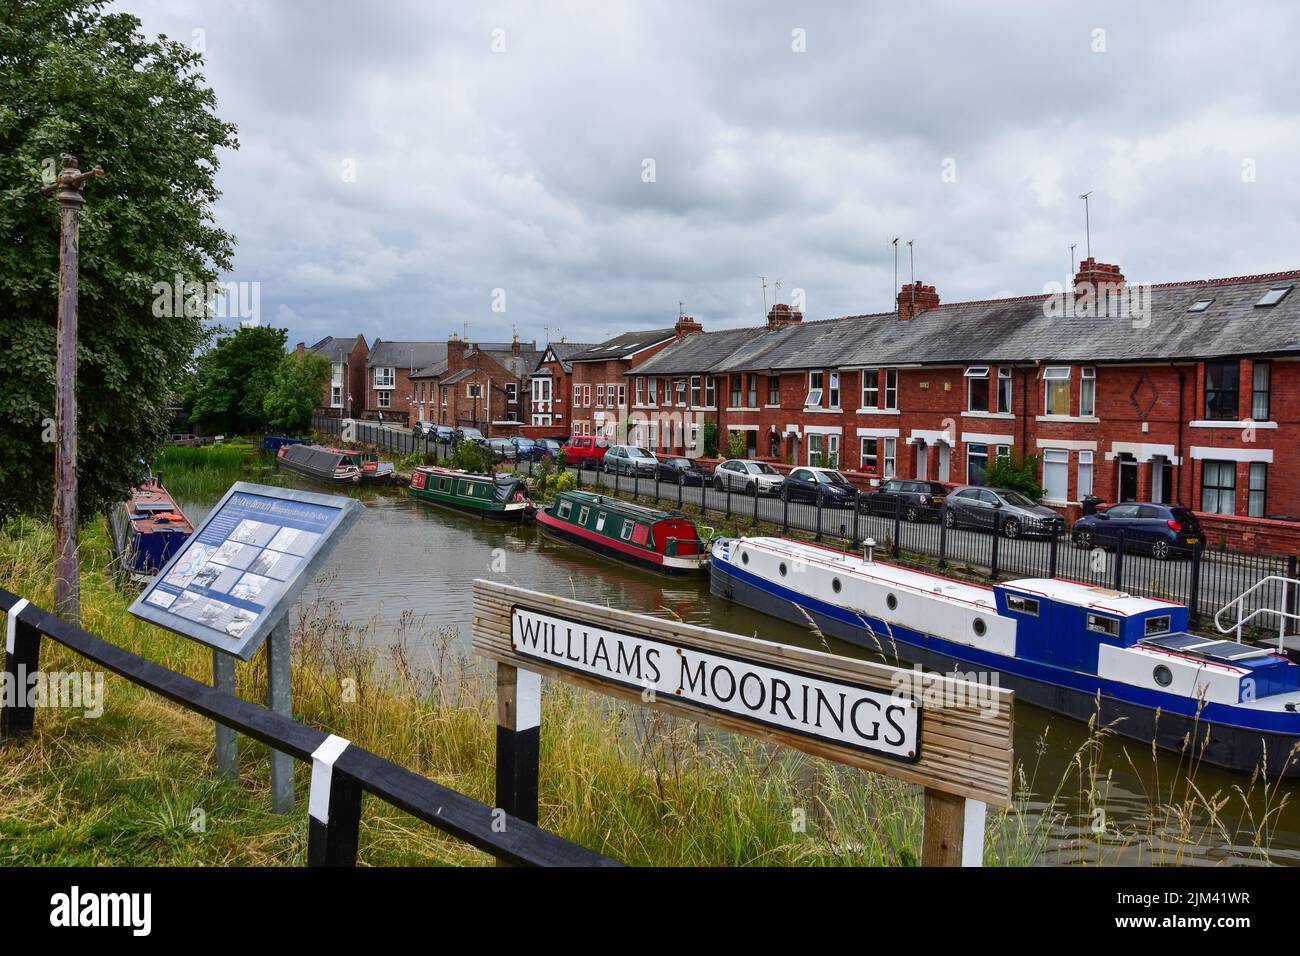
862	718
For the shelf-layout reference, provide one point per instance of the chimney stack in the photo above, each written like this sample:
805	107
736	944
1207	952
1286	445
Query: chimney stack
302	347
686	325
915	298
514	344
455	353
1097	274
781	316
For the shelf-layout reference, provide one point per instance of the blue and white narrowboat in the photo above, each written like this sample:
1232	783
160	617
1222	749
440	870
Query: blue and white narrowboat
148	529
1066	646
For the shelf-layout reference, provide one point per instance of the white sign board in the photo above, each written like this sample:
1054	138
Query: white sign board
823	708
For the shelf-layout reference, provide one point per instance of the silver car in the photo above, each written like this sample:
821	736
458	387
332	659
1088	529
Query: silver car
1008	511
739	474
630	460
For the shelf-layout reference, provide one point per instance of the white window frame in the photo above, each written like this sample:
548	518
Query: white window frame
1084	474
1051	374
978	373
385	376
1059	461
871	393
891	388
383	399
814	398
710	391
833	389
1087	391
890	451
640	389
1004	375
697	391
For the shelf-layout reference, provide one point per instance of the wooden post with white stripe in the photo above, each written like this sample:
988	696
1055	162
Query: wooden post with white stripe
952	830
333	809
22	659
519	720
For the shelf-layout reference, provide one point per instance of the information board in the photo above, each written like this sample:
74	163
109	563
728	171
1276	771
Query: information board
244	567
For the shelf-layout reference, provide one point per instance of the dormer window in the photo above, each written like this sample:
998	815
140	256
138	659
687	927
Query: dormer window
1273	296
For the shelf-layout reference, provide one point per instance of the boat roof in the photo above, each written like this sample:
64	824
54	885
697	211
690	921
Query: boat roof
148	503
1092	596
889	574
462	473
625	507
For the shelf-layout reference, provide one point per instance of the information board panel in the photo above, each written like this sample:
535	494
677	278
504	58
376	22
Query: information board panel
246	564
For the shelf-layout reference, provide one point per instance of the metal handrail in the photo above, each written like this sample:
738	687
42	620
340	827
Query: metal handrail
1243	619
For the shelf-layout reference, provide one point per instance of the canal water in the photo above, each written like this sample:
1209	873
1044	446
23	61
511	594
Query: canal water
405	557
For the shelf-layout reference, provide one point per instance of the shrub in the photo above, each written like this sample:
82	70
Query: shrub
471	457
1020	474
710	439
736	445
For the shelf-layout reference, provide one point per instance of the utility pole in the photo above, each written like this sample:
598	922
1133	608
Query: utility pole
67	575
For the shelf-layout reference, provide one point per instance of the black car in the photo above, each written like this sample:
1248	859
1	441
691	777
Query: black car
823	485
680	471
1162	531
916	500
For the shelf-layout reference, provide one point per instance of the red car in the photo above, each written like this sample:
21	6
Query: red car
586	451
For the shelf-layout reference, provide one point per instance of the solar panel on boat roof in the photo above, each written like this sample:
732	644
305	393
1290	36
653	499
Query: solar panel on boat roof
1178	642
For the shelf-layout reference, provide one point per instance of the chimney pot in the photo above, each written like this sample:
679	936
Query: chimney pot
915	298
782	315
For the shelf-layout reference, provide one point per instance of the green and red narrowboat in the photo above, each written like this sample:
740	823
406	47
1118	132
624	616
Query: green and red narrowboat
502	497
372	468
645	537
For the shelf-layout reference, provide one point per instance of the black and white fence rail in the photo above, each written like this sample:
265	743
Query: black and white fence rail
341	772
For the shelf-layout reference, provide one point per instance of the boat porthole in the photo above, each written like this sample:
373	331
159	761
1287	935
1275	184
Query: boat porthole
891	602
1163	675
782	569
835	585
980	626
744	557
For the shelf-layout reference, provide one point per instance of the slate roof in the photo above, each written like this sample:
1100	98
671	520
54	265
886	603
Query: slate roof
459	376
517	365
1022	329
406	354
335	349
621	346
564	351
433	371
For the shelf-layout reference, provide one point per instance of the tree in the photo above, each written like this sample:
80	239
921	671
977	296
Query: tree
299	383
235	379
736	447
74	79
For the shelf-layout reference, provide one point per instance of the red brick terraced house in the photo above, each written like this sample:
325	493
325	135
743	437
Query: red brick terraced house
389	393
1177	392
484	386
599	399
550	390
346	388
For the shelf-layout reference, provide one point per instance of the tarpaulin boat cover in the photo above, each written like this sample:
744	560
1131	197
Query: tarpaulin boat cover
506	486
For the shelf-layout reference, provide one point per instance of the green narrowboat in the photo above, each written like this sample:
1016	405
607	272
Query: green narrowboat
645	537
502	497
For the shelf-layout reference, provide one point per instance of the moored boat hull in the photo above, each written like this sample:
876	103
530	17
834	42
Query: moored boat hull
509	512
317	476
648	561
1073	694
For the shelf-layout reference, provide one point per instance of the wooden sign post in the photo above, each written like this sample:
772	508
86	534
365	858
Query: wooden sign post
954	742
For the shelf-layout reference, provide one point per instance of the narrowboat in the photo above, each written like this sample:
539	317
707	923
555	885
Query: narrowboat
644	537
501	497
1069	647
324	464
372	469
148	528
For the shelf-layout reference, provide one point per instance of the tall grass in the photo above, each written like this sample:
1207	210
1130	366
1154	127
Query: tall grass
197	471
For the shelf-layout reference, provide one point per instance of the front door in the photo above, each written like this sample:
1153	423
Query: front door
944	454
922	460
1128	478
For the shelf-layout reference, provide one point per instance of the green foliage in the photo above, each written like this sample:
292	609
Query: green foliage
736	445
1020	474
296	390
561	457
234	379
710	439
471	457
76	79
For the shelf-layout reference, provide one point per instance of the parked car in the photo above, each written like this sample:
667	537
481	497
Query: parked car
681	471
503	448
444	434
469	434
748	476
630	460
425	429
824	485
551	447
527	450
916	499
1010	511
585	451
1162	531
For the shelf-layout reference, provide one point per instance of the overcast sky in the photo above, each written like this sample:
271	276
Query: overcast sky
400	162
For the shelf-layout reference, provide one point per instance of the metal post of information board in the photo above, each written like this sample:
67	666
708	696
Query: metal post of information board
279	692
223	678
